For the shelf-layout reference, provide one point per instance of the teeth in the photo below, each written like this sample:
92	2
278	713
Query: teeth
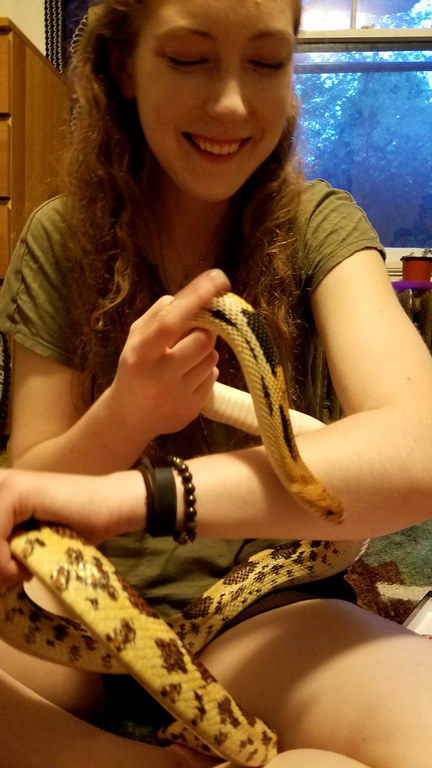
217	149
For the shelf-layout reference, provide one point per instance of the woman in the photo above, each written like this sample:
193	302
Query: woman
182	160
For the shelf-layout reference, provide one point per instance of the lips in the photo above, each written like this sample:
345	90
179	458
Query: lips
215	146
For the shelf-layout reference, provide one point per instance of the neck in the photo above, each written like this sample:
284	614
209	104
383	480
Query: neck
190	234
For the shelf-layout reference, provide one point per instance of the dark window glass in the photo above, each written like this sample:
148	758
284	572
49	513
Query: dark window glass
366	127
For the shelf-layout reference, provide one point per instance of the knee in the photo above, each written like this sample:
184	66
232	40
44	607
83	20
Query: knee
312	758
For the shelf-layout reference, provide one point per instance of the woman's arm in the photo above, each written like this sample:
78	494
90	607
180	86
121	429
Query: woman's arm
377	459
165	375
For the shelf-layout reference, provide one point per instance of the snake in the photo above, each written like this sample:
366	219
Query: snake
108	627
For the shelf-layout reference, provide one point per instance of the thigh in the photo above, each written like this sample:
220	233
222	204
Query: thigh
308	758
81	693
34	733
329	675
75	691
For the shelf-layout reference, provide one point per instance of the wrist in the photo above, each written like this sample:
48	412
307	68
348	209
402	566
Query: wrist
129	513
132	435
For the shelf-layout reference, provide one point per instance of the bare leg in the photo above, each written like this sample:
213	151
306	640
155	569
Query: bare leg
41	706
308	758
78	692
34	733
330	676
313	758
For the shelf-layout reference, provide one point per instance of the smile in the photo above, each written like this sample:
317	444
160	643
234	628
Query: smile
214	146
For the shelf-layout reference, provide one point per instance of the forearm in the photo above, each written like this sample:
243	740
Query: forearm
100	441
378	464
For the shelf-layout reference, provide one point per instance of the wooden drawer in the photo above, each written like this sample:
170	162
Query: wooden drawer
5	99
34	119
5	220
5	152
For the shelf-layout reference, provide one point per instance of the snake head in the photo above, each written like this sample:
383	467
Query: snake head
315	496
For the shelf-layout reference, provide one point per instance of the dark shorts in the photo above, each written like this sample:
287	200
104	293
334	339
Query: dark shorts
133	713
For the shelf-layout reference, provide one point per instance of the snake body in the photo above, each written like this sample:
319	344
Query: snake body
243	329
115	629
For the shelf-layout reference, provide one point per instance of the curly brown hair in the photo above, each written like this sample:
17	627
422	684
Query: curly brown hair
107	164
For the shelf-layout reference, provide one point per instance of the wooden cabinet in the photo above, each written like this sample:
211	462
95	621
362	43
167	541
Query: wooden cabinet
34	121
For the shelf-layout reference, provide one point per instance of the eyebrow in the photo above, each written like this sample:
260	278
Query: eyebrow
274	33
265	34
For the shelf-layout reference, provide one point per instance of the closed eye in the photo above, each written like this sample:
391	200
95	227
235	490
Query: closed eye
186	62
277	65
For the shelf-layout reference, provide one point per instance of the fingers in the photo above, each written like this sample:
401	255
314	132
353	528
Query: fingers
11	571
195	349
205	287
173	316
13	511
167	362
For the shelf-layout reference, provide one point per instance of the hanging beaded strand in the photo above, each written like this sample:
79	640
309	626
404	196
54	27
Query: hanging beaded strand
188	534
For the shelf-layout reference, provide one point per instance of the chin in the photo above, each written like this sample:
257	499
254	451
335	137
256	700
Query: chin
213	192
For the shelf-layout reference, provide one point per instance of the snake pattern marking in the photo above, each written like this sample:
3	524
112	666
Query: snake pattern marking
116	631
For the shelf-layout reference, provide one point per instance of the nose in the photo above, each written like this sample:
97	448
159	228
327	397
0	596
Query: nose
227	99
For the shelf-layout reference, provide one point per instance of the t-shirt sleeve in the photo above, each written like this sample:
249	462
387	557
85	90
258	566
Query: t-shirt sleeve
331	228
34	296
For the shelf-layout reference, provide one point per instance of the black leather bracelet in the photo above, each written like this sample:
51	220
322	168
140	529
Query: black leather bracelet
145	467
164	518
161	498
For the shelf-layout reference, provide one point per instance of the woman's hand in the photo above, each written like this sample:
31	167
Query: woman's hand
164	377
95	507
167	368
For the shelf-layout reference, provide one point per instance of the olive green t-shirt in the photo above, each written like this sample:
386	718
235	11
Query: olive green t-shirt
34	310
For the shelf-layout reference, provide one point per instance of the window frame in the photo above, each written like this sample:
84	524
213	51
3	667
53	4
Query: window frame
346	40
310	41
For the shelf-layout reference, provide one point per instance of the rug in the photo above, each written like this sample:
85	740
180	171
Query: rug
395	572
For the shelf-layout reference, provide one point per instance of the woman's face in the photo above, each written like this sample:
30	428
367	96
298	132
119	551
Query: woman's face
212	82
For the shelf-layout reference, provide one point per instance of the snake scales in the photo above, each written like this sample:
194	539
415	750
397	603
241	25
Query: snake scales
121	633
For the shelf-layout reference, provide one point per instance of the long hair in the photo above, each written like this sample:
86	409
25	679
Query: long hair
107	165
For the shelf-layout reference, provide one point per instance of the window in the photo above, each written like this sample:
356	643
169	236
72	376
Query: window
366	125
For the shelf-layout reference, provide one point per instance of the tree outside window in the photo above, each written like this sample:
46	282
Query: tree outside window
366	117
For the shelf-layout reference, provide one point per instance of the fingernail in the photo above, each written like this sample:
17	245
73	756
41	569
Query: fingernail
221	279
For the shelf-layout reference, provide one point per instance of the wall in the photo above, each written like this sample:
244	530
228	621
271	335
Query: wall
28	15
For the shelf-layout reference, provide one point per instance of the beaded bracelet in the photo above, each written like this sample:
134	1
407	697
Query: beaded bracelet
188	534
